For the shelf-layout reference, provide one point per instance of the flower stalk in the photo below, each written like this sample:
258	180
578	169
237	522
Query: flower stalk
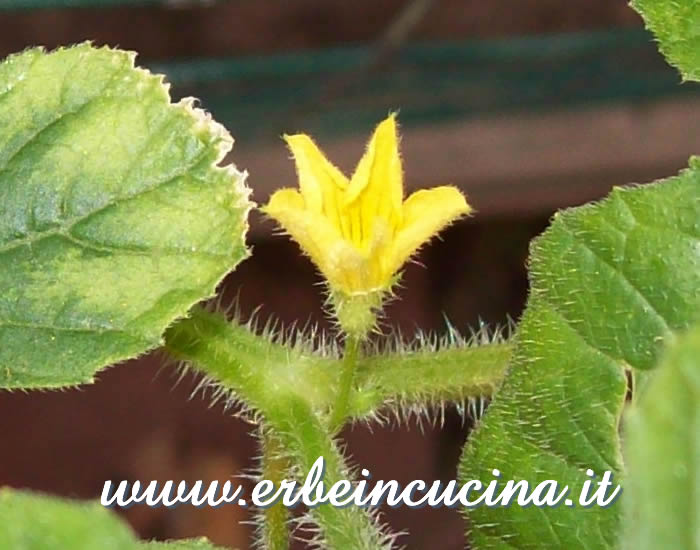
347	378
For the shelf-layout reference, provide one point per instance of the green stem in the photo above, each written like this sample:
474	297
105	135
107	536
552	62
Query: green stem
252	367
275	518
237	360
454	374
306	438
289	387
342	402
260	371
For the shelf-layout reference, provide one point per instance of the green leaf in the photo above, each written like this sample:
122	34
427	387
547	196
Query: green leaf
609	282
675	25
662	448
31	521
114	216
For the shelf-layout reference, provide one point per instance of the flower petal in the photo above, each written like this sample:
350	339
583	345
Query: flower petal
376	187
284	199
314	233
425	213
320	182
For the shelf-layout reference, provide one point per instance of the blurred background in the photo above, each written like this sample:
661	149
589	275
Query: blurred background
528	106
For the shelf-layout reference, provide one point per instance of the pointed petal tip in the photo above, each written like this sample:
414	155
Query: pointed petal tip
281	200
296	139
453	194
388	124
444	204
461	201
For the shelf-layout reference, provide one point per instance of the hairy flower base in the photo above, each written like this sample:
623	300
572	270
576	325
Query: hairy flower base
357	313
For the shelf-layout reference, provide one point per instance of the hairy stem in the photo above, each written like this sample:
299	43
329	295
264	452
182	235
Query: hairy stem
427	376
275	518
341	405
258	370
306	438
225	352
255	369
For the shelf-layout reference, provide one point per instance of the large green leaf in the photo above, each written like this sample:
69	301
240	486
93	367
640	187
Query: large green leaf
662	448
114	216
676	24
609	282
30	521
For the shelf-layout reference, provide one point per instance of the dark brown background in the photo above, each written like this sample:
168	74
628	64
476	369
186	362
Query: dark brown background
265	26
136	423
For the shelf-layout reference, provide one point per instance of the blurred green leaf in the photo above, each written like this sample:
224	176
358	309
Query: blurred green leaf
662	448
114	218
609	282
31	521
676	25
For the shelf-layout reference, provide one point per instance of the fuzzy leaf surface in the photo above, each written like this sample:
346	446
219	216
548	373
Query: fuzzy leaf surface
609	282
675	25
32	521
662	448
114	216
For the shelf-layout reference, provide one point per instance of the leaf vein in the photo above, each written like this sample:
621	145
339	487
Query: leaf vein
61	116
622	277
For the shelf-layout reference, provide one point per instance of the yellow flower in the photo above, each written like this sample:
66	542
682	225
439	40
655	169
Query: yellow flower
359	232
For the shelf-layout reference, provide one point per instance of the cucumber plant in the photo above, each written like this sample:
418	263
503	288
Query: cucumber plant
117	218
